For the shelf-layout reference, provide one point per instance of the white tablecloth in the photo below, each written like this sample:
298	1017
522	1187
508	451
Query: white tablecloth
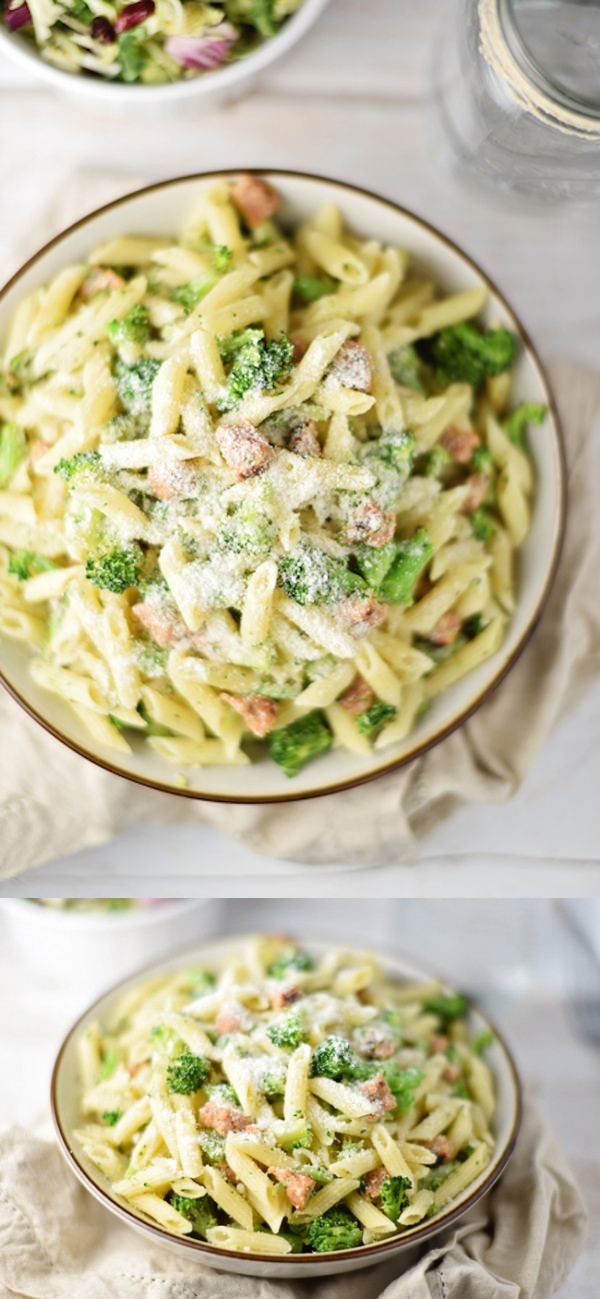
351	102
516	957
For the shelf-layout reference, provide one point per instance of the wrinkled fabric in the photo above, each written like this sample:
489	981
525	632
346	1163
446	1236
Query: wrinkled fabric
57	1242
53	803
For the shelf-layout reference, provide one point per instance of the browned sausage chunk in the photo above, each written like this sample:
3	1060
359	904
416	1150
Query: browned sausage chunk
255	199
243	448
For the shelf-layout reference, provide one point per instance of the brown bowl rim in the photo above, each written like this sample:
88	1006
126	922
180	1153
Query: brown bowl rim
424	746
207	1252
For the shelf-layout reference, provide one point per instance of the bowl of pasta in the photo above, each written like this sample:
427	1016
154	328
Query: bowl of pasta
153	52
286	1109
281	497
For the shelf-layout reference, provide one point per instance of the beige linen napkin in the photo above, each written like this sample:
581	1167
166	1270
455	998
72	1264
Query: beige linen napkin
53	803
56	1242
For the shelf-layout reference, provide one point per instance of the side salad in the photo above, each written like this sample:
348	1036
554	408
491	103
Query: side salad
146	41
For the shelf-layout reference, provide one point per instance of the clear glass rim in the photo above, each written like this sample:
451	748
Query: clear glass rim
585	109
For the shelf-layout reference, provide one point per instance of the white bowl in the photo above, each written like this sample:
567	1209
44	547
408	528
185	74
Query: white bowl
64	1098
211	87
101	946
158	210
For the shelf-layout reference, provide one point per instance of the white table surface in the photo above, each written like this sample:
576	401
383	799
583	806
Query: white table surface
516	957
351	101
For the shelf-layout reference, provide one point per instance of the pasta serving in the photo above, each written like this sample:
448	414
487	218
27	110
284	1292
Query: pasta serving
257	487
286	1104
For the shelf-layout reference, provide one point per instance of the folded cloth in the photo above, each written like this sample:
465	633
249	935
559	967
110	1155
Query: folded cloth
53	803
56	1242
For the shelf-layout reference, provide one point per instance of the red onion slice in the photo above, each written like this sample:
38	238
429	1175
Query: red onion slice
19	17
205	52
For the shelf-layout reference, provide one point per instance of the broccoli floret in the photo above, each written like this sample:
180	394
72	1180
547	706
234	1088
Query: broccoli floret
375	562
447	1006
109	1063
187	1073
212	1146
222	258
26	563
482	524
189	295
12	451
393	1196
311	576
223	1093
86	464
481	1041
430	1181
295	745
336	1229
132	328
515	427
150	658
333	1058
412	555
110	1117
481	460
162	1036
437	461
134	384
291	959
116	570
272	1082
311	287
288	1032
199	1211
464	353
405	366
258	365
249	531
401	1082
200	981
371	721
390	458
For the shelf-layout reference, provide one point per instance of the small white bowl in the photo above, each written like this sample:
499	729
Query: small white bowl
66	1113
211	87
158	210
95	947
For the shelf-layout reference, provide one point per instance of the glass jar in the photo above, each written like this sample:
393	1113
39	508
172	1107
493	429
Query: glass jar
517	95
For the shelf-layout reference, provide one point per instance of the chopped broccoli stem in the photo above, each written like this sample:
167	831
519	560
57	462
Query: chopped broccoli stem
187	1073
481	460
134	384
189	295
222	258
290	960
405	366
295	745
375	562
482	524
447	1006
223	1093
390	458
117	570
311	576
258	365
248	531
465	353
372	719
515	427
200	981
86	464
199	1211
110	1117
336	1229
26	563
12	451
393	1196
272	1083
311	287
412	555
132	328
288	1032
